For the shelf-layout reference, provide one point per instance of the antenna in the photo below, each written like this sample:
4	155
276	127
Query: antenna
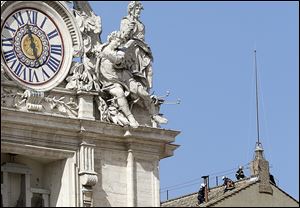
256	92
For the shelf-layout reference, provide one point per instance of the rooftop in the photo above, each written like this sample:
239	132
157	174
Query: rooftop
215	195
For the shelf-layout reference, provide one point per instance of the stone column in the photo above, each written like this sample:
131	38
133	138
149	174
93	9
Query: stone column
131	195
156	183
28	193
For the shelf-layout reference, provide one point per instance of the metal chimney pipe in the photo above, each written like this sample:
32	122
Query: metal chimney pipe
206	188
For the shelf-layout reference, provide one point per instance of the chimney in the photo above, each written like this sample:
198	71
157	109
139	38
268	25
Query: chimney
260	168
206	187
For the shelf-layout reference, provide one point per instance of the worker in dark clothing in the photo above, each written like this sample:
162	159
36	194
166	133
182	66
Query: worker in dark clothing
240	173
201	194
272	180
228	184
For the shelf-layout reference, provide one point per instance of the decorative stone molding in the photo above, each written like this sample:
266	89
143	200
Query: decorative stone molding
86	158
87	173
88	179
71	23
10	97
30	100
87	198
34	99
63	106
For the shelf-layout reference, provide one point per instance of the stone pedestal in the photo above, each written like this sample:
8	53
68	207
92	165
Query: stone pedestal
86	106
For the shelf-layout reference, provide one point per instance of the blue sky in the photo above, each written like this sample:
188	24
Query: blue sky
203	54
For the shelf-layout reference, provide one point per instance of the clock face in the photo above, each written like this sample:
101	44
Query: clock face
33	48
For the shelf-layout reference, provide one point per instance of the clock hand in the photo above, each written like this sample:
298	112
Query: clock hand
32	44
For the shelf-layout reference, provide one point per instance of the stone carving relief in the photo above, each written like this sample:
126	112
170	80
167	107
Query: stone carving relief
87	24
62	106
82	75
30	100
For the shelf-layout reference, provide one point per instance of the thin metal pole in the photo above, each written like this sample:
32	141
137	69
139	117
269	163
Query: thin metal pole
256	90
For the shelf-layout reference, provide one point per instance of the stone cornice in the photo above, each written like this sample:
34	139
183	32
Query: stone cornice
69	132
87	126
36	151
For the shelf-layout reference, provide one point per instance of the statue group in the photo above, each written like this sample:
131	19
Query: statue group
120	69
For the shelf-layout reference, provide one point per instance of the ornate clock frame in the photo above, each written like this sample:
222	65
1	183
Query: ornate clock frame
71	38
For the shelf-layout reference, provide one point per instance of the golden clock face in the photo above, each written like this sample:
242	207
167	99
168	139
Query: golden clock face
26	46
32	47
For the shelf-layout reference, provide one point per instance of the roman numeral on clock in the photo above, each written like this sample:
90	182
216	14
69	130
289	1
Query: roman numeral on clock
52	34
18	17
18	71
44	73
6	26
32	17
56	49
53	63
9	55
7	42
43	23
33	75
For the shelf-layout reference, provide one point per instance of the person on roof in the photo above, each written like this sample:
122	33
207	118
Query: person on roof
240	173
201	194
228	184
272	180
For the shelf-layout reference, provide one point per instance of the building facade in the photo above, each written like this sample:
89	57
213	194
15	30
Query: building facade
67	137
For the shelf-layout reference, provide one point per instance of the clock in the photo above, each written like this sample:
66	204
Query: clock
36	47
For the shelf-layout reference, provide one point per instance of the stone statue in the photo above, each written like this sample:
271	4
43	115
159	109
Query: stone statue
138	53
113	78
121	83
120	70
